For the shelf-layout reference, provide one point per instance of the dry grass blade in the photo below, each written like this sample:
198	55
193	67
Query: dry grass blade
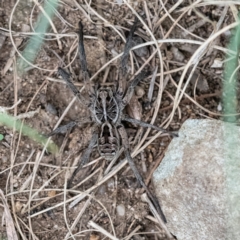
34	179
194	59
132	233
160	89
77	219
101	230
10	228
151	86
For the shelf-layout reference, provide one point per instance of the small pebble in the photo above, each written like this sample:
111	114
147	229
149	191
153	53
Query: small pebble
18	206
102	190
51	109
4	159
219	107
178	55
121	210
110	184
119	2
139	91
218	63
114	52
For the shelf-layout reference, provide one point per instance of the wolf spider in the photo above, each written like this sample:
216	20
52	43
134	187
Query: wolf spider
106	106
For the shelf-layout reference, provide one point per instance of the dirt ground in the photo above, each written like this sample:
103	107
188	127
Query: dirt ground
32	180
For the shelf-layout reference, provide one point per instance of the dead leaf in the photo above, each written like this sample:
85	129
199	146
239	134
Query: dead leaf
134	108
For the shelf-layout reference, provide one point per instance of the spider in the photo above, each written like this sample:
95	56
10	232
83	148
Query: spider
106	106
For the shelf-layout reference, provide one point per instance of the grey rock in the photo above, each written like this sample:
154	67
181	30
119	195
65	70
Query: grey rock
198	184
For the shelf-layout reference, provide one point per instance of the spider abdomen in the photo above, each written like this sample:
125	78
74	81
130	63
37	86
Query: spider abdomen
108	143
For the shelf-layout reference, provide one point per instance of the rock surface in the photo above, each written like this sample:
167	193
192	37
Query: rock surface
198	186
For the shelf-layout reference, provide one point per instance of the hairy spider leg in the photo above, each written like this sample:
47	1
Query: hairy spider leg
131	163
84	158
148	125
128	45
124	59
83	61
64	128
66	77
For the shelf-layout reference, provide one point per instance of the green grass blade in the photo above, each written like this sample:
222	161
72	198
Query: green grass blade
12	123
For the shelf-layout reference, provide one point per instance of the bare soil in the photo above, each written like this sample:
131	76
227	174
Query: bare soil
32	180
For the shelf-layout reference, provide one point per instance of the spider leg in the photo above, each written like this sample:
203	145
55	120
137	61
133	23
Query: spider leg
125	143
81	50
64	128
128	46
84	158
124	59
66	77
144	124
83	61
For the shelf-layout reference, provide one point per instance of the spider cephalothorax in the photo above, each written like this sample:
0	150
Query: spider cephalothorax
106	106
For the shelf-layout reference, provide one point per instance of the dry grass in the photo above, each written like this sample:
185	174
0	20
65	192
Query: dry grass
22	214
